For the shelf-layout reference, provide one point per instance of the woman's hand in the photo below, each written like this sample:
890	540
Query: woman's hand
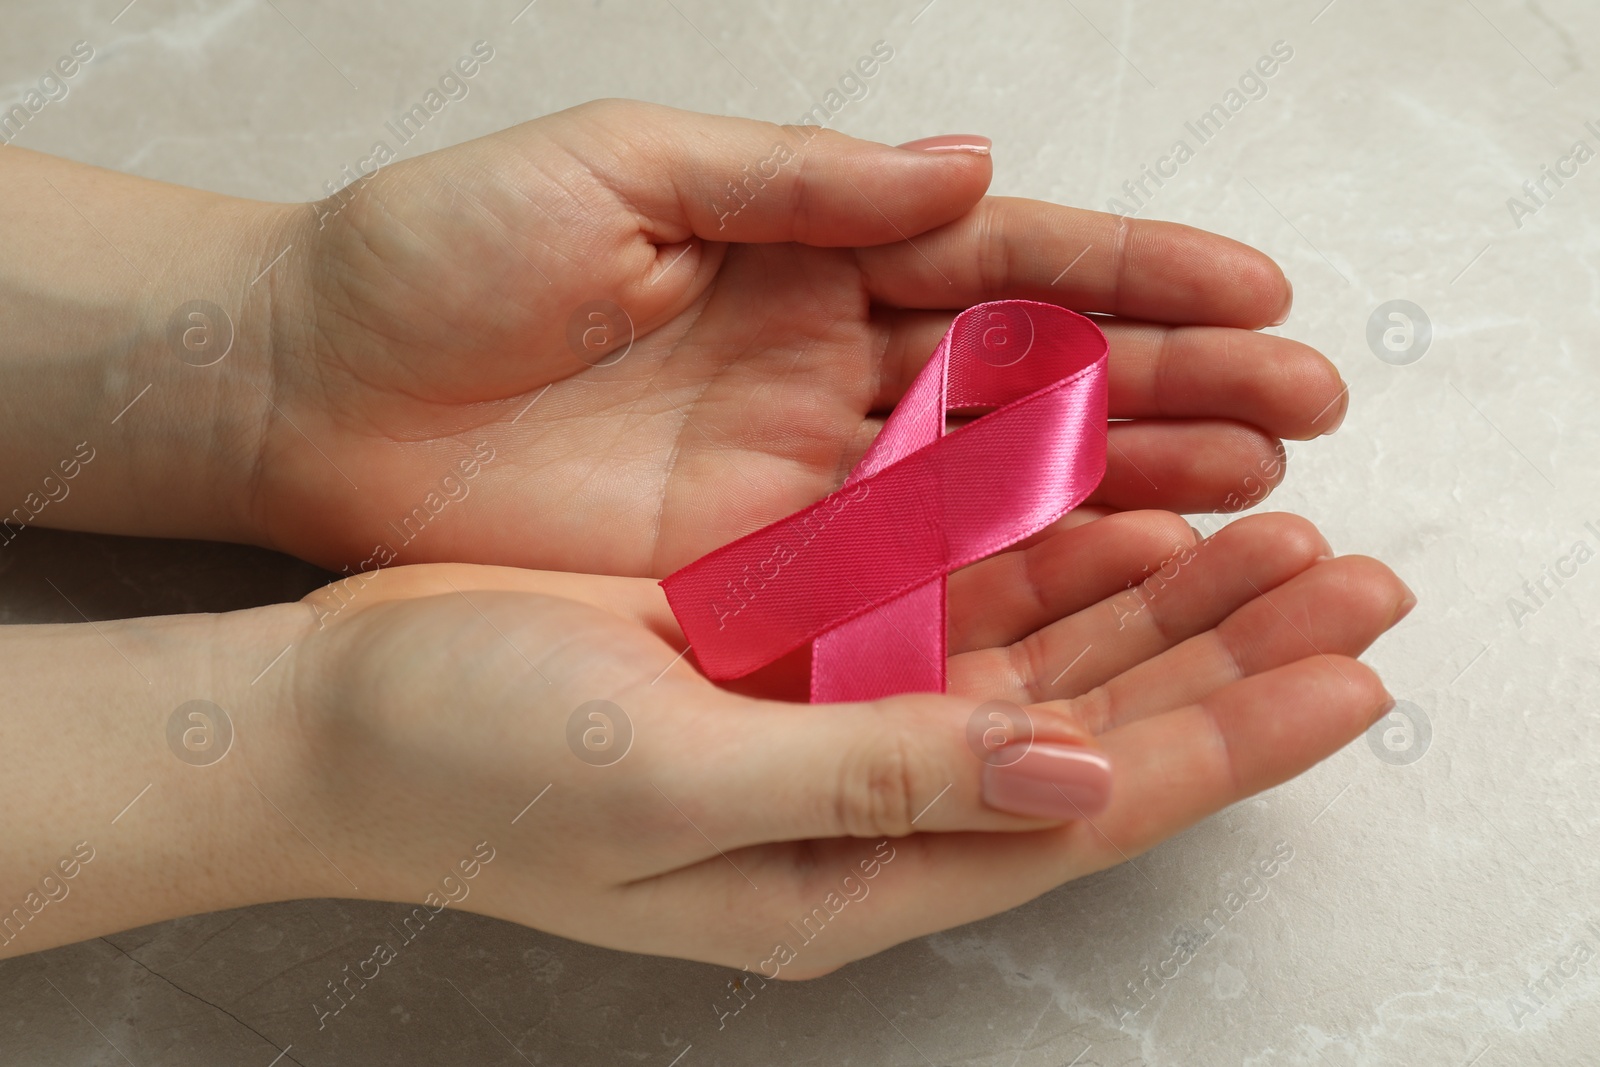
573	345
428	734
435	704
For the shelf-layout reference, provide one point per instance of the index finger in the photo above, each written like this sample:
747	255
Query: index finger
1007	248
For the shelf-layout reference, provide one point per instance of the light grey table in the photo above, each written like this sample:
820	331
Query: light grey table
1438	902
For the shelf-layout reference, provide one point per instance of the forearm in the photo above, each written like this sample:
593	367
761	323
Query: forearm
107	420
121	810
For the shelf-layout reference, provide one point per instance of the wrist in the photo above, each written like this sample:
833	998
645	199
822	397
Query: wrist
179	738
137	331
193	444
215	343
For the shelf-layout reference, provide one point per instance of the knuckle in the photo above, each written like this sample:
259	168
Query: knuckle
993	256
1289	535
1298	535
878	786
1077	718
802	186
799	201
1164	533
1171	352
1027	667
1120	259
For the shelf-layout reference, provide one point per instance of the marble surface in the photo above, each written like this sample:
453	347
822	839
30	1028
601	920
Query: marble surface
1434	901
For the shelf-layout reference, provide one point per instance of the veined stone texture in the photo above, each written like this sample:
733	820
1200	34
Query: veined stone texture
1433	898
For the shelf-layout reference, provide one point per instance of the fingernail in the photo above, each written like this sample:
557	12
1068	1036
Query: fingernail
1288	306
974	143
1050	781
1385	708
1344	409
1407	602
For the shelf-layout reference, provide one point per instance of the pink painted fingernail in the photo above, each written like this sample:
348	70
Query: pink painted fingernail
974	143
1050	781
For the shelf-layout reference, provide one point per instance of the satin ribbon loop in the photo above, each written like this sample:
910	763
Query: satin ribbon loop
861	573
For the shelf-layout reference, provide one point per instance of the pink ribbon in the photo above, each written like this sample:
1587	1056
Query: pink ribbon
861	573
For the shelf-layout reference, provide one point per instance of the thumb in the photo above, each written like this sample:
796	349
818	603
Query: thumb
732	179
902	765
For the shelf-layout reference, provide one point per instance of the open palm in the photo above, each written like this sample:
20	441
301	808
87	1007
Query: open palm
560	346
440	701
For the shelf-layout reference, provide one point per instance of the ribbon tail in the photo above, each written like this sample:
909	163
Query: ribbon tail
898	647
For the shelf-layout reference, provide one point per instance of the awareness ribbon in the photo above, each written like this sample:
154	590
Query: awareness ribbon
861	573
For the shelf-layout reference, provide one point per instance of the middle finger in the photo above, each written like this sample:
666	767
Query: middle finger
1285	388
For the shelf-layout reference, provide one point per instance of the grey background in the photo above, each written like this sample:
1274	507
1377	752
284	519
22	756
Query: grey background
1424	894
